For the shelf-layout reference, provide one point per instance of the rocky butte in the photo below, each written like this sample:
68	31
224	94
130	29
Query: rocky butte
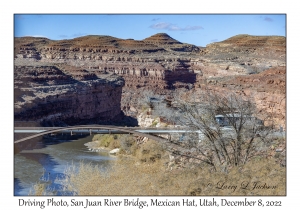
92	79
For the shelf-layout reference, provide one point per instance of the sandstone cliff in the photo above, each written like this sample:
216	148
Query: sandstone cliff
268	90
146	62
62	95
63	74
159	61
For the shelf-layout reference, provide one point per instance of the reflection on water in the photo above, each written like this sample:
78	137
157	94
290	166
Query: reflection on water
50	161
17	186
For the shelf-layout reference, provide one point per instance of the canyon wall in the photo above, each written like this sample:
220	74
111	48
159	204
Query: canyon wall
159	62
267	89
146	63
77	76
52	95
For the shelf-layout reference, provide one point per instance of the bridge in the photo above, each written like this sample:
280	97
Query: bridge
98	129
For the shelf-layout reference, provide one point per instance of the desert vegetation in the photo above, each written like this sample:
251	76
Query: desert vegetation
232	130
146	173
241	160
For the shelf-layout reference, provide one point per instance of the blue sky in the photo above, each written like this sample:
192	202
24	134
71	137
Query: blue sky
197	29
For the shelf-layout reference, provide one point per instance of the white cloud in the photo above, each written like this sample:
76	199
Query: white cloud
41	36
79	34
161	25
268	19
63	36
174	27
155	19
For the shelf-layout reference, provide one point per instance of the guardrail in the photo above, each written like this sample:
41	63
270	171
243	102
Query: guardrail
117	127
87	128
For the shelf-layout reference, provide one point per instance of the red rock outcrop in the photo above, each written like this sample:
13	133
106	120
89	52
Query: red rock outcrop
268	46
62	95
159	63
243	54
268	89
249	65
149	62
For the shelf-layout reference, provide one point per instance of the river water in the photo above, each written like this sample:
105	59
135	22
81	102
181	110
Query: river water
50	161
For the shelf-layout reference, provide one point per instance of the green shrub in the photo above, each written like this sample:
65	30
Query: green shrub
154	123
107	140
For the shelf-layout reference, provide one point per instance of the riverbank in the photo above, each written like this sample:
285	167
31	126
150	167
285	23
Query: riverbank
93	146
110	144
144	170
49	161
131	177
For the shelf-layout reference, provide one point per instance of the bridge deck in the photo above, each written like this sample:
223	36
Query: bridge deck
145	132
110	130
108	127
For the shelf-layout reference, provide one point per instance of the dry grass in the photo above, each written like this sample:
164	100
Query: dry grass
145	172
41	189
150	152
128	145
129	177
38	189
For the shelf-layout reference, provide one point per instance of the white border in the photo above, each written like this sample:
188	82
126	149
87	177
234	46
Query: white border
6	54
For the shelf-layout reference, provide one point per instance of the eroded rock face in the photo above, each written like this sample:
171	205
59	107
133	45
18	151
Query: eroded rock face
158	61
268	90
52	95
149	62
75	68
272	47
249	65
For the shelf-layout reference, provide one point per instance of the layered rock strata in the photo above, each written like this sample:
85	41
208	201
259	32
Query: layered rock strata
148	62
159	63
57	95
268	90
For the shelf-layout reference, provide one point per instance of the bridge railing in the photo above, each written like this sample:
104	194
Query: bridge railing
36	128
81	128
110	128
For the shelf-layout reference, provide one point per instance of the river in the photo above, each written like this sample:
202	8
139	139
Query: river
50	161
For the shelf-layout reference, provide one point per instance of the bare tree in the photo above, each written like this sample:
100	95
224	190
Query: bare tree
224	128
148	98
139	99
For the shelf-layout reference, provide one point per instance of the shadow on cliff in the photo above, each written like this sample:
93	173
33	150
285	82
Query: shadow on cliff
119	120
186	80
41	142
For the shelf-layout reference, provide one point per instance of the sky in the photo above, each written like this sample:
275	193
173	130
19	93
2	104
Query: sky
197	29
